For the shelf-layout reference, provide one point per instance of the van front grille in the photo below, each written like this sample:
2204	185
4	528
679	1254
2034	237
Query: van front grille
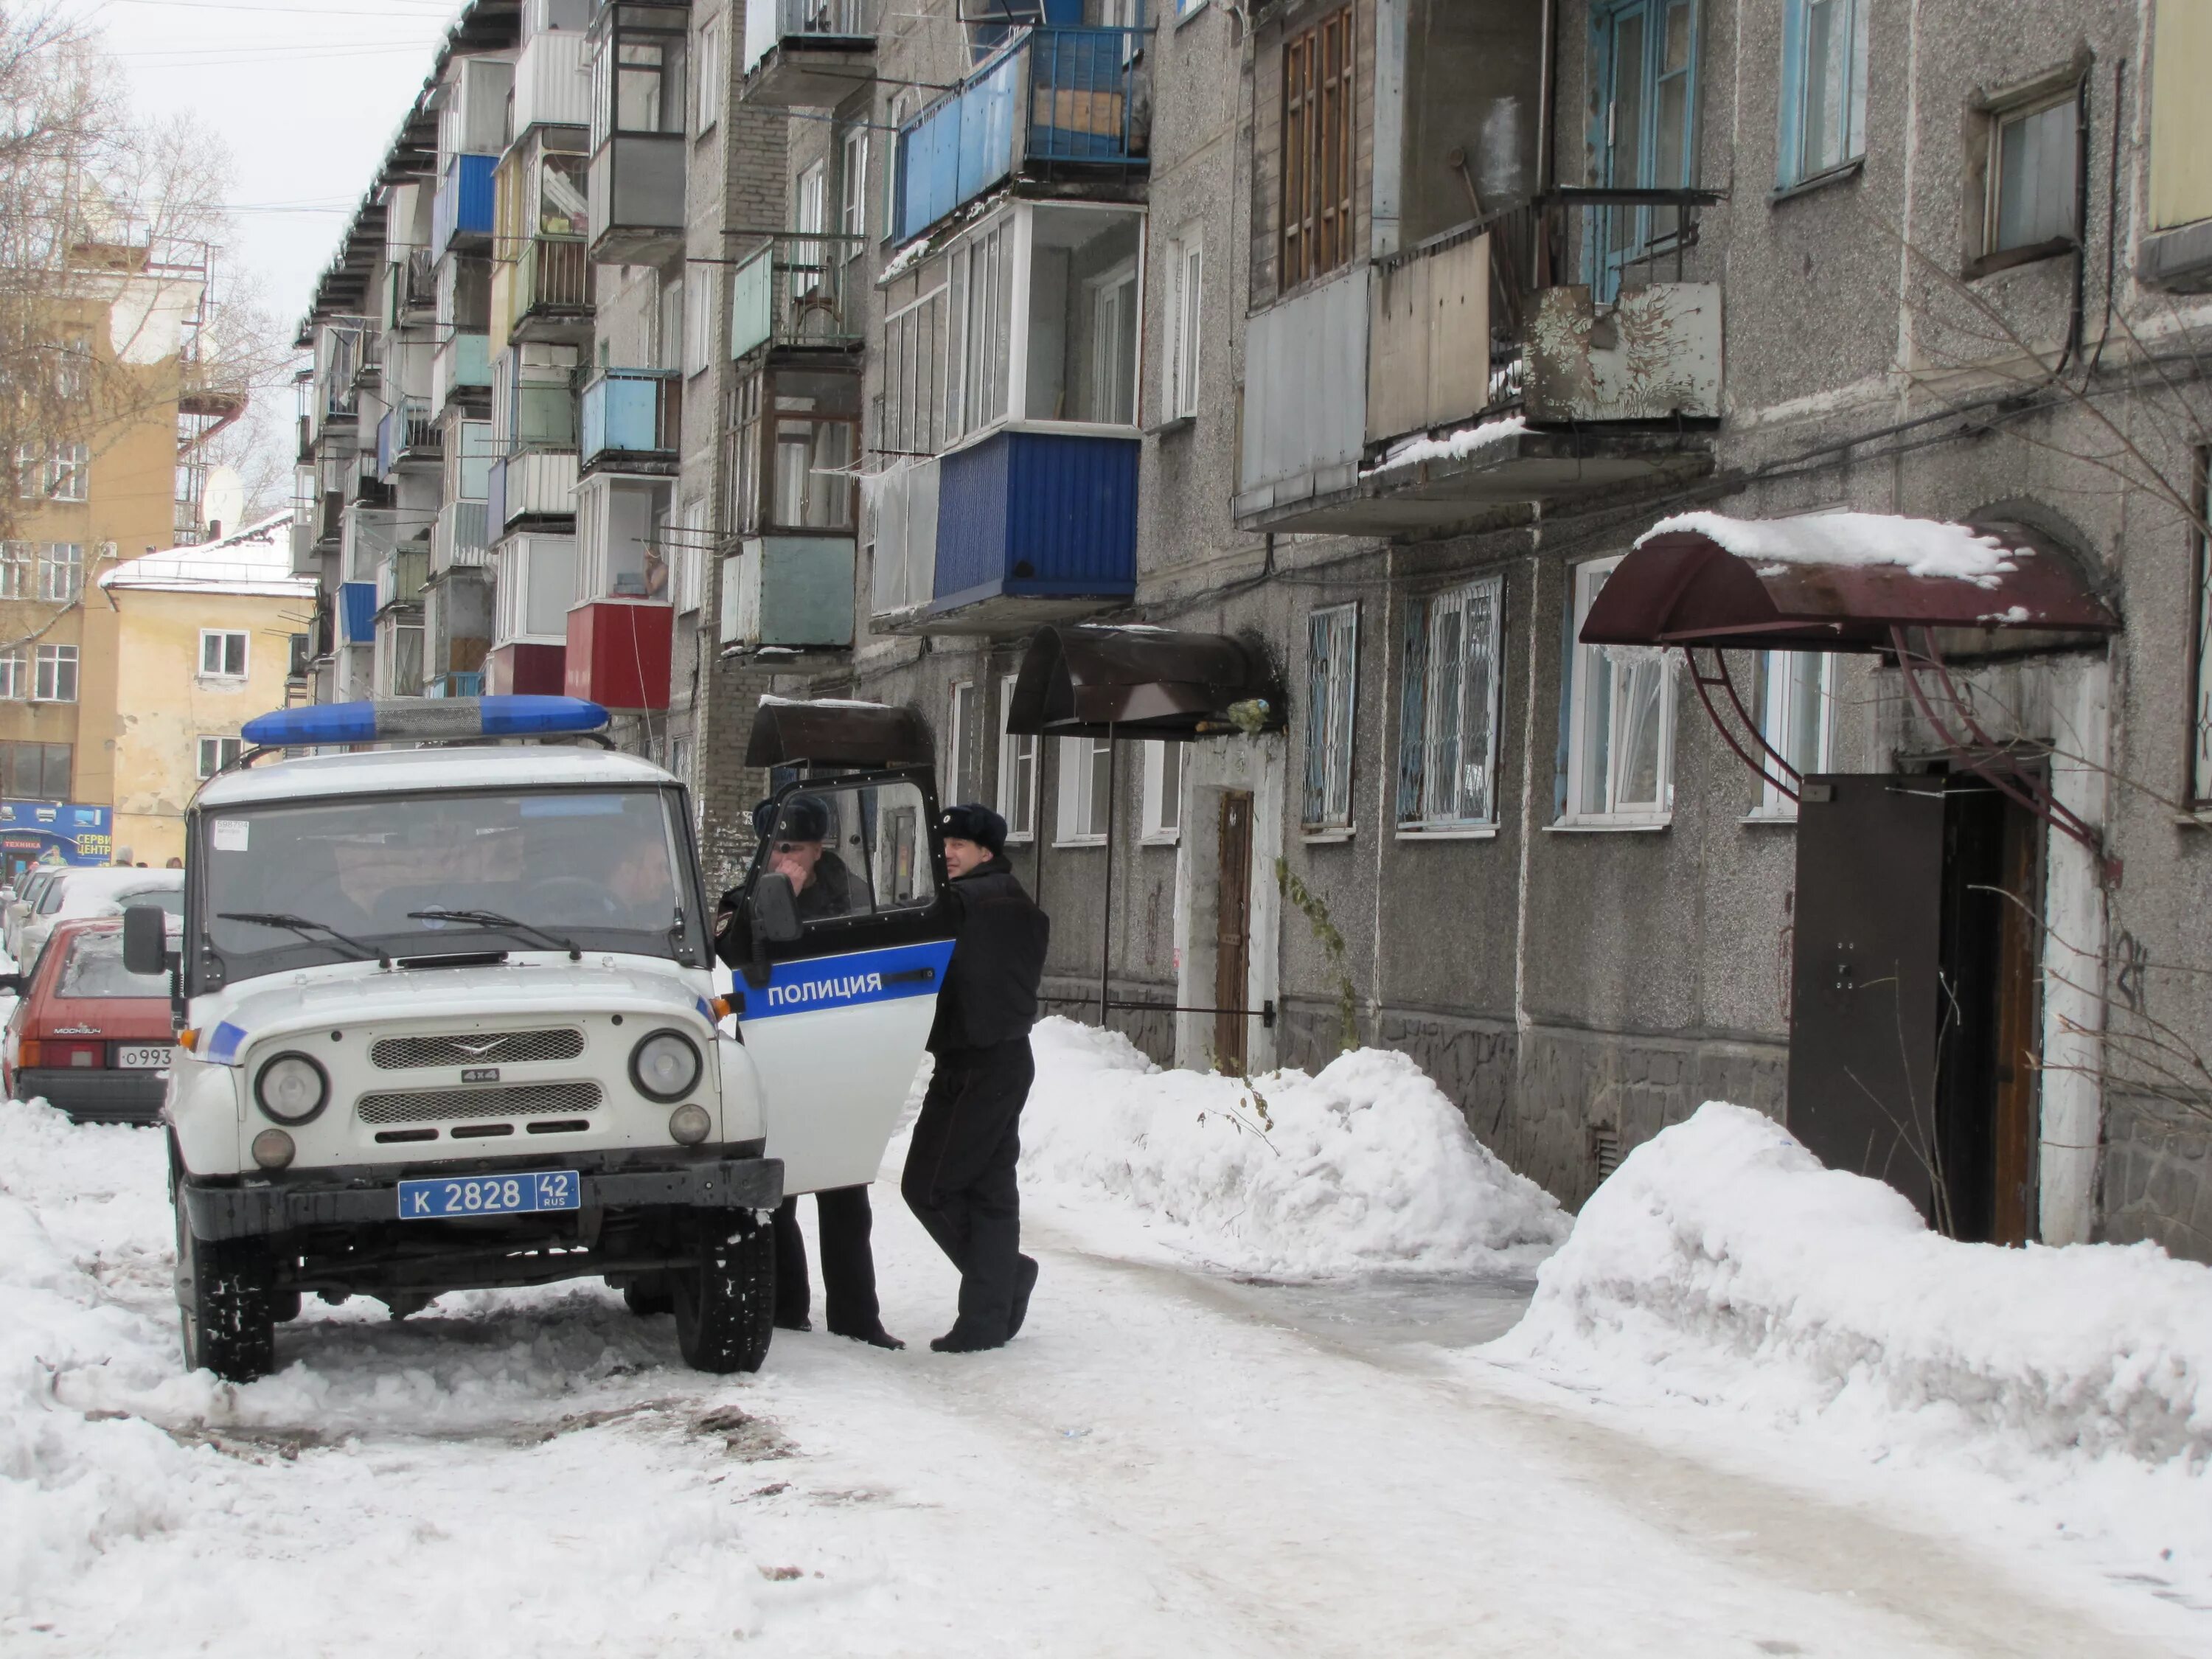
477	1049
445	1105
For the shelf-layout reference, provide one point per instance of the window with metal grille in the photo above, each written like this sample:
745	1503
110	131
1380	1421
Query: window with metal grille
1317	140
1332	673
1448	735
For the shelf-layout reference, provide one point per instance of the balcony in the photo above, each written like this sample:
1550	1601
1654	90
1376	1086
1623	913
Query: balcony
459	538
554	285
1432	391
1021	529
618	654
461	366
807	54
455	686
550	85
641	157
410	298
536	584
1054	101
793	293
789	594
400	578
632	418
637	188
461	212
366	539
356	613
408	436
530	487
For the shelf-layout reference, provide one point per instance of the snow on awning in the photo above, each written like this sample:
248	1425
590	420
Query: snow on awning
834	732
1843	581
1136	682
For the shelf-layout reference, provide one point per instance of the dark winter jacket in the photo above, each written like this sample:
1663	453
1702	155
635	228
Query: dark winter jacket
828	897
990	992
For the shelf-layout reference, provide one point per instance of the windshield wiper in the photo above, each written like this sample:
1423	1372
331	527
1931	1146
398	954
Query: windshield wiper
306	926
493	919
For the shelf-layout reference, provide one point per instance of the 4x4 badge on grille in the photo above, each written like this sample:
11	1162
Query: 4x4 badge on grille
480	1074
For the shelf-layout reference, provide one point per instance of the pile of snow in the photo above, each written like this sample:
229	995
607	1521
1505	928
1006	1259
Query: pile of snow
1921	547
1366	1167
1452	447
1722	1262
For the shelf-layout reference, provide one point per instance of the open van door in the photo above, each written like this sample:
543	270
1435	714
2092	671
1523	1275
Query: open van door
835	1019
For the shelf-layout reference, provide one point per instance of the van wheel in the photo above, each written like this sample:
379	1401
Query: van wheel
649	1294
726	1306
226	1301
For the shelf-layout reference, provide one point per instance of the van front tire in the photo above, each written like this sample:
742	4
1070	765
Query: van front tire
726	1304
227	1303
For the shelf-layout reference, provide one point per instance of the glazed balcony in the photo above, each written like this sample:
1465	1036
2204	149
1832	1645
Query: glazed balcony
400	577
788	595
461	538
794	292
807	53
641	155
461	212
460	368
632	419
530	487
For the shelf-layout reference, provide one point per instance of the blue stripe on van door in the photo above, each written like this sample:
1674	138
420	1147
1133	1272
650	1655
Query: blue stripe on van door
845	981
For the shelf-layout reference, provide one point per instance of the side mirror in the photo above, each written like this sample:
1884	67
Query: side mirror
145	940
14	985
772	918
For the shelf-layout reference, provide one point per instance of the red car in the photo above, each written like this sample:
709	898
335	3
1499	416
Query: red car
86	1033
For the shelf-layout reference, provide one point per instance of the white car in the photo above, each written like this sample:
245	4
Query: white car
450	1017
97	889
19	906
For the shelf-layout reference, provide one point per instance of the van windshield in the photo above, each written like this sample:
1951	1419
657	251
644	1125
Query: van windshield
602	869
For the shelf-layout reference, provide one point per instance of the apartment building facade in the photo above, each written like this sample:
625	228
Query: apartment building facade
1363	342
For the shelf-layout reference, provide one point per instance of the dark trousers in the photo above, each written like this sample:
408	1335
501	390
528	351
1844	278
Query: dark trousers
960	1178
849	1266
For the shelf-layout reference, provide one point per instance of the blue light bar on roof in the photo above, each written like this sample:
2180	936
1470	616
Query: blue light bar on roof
422	720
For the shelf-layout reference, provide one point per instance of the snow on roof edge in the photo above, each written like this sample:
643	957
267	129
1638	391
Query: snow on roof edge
1920	547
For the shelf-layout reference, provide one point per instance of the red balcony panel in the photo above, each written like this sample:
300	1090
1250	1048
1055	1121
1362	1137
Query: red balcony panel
527	669
618	654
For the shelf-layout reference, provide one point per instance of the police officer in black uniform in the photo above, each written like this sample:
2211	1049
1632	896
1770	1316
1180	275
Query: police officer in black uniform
960	1170
821	886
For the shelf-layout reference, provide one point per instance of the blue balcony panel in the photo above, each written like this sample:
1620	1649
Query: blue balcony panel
1034	527
463	204
357	613
631	412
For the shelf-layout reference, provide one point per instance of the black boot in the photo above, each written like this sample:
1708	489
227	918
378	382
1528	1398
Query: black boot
964	1339
1025	1278
875	1336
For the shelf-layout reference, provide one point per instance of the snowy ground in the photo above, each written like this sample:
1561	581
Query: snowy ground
1172	1458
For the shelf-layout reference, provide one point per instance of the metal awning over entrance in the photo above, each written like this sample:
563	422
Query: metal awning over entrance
1107	682
1924	592
831	732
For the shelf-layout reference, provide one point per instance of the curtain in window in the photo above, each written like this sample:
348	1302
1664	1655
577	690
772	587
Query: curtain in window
1643	683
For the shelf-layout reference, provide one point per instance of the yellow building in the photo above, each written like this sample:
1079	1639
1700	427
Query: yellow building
96	482
205	638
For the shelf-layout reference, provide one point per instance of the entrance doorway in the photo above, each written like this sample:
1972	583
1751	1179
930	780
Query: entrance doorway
1232	933
1914	1011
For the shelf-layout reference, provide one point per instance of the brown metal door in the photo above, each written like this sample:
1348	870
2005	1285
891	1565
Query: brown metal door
1232	933
1865	988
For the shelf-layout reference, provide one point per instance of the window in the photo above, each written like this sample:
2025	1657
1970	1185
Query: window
981	274
692	537
1824	85
1453	687
668	326
30	471
914	339
54	674
1163	791
14	673
1790	690
16	559
61	573
215	753
2034	152
1332	677
222	653
639	87
1183	271
962	785
853	190
1086	792
1114	347
1645	52
1318	138
68	472
1620	741
2200	653
710	73
34	771
698	321
1018	765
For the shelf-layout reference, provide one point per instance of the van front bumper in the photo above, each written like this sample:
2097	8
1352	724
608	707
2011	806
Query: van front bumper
255	1207
91	1095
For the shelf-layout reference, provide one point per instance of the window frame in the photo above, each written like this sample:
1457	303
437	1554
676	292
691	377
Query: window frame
1076	793
1019	753
1422	733
14	673
1775	704
1317	138
236	745
2196	770
1580	813
2042	101
1160	791
244	654
1793	163
853	190
1186	323
53	667
963	763
18	566
1332	705
68	472
1649	232
707	79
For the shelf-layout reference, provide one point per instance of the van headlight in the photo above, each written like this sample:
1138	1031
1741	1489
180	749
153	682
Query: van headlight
665	1066
292	1089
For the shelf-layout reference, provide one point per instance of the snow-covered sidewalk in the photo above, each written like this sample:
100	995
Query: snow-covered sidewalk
1167	1461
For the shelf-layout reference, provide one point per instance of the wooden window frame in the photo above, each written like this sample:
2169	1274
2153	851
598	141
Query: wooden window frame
1320	99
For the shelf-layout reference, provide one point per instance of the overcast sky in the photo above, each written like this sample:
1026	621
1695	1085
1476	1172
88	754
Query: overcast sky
306	93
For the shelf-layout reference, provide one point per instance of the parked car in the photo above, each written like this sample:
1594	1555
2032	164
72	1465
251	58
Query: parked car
87	1034
96	890
25	897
